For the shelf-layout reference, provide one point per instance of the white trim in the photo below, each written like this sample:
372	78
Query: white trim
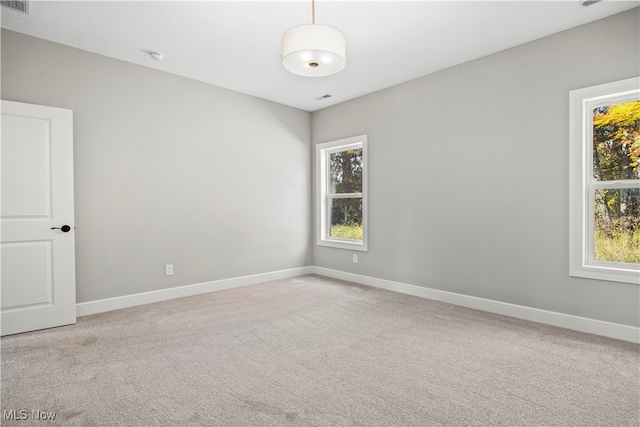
582	186
567	321
323	194
108	304
576	323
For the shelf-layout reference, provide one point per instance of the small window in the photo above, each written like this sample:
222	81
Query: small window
341	174
605	182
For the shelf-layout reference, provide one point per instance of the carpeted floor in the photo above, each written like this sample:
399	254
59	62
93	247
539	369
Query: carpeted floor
312	351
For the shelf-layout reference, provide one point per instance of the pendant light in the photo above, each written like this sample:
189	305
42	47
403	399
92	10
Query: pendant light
313	50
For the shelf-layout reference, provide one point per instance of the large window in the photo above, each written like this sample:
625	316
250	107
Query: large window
341	175
605	182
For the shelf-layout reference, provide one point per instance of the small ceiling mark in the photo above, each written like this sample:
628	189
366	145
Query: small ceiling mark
320	98
156	56
19	5
586	3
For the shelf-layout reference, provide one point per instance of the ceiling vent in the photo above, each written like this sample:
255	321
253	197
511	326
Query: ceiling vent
19	5
320	98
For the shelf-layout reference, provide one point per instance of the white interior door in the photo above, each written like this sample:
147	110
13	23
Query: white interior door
37	288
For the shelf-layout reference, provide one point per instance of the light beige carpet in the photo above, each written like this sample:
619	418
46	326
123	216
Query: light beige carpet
312	351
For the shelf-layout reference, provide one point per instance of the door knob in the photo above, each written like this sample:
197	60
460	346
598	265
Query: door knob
64	228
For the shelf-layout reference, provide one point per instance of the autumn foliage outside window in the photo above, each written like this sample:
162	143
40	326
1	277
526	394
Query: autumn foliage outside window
616	153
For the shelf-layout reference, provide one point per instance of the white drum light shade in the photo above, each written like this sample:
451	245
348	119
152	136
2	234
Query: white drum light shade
313	50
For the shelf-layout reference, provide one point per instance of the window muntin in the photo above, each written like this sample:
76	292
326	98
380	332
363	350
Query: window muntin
341	176
605	182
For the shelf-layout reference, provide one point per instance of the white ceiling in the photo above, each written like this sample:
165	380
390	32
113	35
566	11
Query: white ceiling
236	44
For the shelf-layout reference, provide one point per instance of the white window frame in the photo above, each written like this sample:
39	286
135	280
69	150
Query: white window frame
583	186
323	226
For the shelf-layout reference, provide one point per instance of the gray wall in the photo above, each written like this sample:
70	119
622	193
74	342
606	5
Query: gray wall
169	170
468	173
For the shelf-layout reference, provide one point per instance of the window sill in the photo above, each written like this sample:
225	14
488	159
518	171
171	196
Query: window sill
611	274
343	244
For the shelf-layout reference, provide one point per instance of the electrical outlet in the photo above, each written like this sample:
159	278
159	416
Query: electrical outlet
355	258
168	270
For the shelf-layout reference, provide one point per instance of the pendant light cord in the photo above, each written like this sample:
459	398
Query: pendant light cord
313	11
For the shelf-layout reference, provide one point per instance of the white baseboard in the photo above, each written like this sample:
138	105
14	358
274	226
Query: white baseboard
108	304
576	323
